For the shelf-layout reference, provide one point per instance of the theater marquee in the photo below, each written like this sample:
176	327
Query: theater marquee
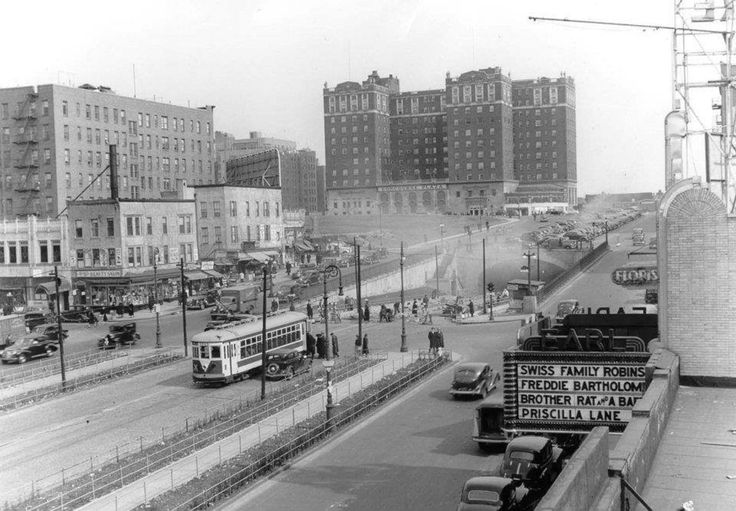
566	391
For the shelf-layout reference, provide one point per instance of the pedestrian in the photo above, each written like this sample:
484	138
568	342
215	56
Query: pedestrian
291	305
440	341
120	309
104	314
471	308
367	312
335	346
365	344
288	268
382	314
310	311
414	308
274	305
321	346
150	303
131	309
358	345
397	308
311	345
432	341
425	301
91	319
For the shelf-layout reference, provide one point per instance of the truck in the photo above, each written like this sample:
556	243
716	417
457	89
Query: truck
242	299
637	236
488	423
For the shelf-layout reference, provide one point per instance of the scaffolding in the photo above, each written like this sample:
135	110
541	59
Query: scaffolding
703	95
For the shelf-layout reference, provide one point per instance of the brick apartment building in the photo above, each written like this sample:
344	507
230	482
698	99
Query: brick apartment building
54	139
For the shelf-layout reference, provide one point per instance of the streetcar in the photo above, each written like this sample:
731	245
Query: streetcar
231	351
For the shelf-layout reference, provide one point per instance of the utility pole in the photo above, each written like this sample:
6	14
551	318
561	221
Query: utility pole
183	304
356	250
58	326
403	305
483	289
263	338
538	258
155	297
437	270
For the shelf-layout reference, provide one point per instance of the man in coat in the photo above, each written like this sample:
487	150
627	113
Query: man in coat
335	346
311	345
310	311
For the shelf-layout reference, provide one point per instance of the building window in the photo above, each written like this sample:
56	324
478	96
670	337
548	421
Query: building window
44	252
95	228
149	225
110	227
165	225
218	234
64	108
185	224
203	210
205	236
216	208
233	208
78	231
266	211
247	208
234	234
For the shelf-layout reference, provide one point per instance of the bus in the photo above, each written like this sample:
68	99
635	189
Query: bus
232	351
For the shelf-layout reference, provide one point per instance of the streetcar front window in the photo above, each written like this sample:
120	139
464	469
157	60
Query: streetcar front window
215	352
204	352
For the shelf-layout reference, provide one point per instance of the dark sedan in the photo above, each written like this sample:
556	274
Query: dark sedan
51	332
76	315
473	379
491	493
119	335
26	348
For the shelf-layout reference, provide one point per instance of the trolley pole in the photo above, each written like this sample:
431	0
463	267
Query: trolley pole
483	289
263	338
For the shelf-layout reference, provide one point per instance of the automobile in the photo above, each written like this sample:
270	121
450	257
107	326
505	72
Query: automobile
200	302
119	335
51	332
26	348
532	459
493	493
309	279
34	318
287	363
473	379
288	293
565	307
75	315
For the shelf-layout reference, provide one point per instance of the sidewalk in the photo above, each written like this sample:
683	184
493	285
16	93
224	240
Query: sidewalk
696	458
186	469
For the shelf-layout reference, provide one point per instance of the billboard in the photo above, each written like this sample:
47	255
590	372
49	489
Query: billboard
560	391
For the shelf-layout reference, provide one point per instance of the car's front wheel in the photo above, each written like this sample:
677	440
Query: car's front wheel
49	352
272	369
22	359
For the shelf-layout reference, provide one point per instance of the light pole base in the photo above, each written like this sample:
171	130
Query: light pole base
403	349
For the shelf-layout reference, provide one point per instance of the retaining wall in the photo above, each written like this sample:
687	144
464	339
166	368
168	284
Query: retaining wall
415	276
585	473
591	480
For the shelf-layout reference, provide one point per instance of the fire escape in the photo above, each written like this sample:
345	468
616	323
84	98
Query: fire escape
26	138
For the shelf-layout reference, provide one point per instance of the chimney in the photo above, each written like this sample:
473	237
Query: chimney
113	171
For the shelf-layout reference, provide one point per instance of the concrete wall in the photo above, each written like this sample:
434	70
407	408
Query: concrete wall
580	482
697	308
415	276
591	480
634	453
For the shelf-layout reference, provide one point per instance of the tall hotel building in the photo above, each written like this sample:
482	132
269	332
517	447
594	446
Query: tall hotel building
54	142
545	160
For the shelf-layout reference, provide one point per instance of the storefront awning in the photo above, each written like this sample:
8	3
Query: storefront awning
303	245
259	256
271	253
50	287
214	274
196	275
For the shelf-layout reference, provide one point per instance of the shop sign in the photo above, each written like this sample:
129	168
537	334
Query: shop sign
207	265
572	393
98	273
410	188
636	276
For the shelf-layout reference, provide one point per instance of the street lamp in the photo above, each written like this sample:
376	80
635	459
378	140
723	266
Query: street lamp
155	296
329	271
356	252
528	268
404	349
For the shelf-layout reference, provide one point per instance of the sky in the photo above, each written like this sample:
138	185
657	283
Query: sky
263	64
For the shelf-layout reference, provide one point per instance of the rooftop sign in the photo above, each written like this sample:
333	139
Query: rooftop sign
631	276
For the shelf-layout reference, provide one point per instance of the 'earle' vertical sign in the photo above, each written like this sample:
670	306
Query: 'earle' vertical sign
571	391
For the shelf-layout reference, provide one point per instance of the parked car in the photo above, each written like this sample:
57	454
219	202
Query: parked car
34	318
119	335
76	315
200	302
473	379
51	332
309	279
26	348
534	460
287	363
493	493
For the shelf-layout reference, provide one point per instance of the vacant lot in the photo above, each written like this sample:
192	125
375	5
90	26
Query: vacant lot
392	229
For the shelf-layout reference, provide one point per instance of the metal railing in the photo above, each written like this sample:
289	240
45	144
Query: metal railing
277	457
87	480
51	367
100	373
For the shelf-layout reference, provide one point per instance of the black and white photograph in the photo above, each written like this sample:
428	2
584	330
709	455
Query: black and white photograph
368	255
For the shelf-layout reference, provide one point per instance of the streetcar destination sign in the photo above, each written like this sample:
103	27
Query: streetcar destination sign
572	391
